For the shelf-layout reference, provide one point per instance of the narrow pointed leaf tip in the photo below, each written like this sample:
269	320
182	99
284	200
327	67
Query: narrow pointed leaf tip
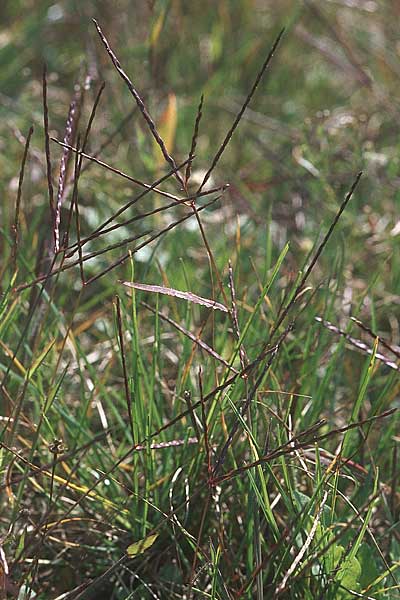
160	289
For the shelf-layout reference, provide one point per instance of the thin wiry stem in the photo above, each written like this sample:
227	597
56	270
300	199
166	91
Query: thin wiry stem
75	203
15	226
121	173
111	136
172	225
209	251
100	229
194	140
358	344
237	120
234	314
65	267
248	401
296	443
77	173
121	260
205	424
47	144
198	341
93	115
374	335
139	217
140	103
318	253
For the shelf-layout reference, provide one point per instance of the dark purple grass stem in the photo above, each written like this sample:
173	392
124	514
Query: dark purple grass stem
65	267
277	452
296	443
205	425
187	398
234	315
251	395
148	188
35	469
358	344
111	136
75	203
154	237
78	166
290	447
47	145
77	173
374	335
15	225
92	115
121	173
209	251
139	217
194	338
100	229
241	111
216	390
112	247
194	141
318	253
139	103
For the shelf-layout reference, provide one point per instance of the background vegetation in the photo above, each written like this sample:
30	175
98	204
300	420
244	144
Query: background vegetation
152	446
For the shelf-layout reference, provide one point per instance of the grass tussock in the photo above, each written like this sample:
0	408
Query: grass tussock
199	334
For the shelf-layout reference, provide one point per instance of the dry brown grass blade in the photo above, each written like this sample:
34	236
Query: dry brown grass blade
189	296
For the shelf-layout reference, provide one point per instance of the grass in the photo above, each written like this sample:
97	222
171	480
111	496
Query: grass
199	383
